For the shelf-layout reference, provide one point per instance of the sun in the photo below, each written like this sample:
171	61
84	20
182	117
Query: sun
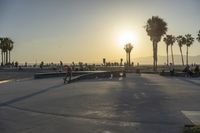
127	37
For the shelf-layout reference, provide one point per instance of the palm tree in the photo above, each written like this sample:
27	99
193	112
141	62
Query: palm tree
156	27
10	47
167	42
6	45
189	42
1	47
7	48
181	41
3	51
128	47
198	36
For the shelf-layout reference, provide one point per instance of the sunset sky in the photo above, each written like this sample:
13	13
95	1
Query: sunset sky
89	30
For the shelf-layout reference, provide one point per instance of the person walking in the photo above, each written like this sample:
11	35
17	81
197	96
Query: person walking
188	71
196	70
171	69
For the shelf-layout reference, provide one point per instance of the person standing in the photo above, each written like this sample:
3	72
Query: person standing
61	66
69	71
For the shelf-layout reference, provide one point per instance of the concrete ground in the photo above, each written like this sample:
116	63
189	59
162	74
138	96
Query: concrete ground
136	104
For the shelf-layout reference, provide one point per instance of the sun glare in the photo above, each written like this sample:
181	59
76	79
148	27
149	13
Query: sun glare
127	37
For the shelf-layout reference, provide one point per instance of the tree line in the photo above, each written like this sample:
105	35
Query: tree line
6	46
156	28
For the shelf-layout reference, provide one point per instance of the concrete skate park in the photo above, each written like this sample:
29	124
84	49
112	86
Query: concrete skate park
138	103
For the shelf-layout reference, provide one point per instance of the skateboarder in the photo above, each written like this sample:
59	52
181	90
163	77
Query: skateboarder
68	74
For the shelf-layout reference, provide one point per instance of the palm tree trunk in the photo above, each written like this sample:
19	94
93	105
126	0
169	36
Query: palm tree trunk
167	55
1	57
9	55
6	57
129	58
172	55
187	56
156	53
154	56
182	56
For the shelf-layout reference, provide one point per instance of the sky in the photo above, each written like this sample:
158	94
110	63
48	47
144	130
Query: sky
89	30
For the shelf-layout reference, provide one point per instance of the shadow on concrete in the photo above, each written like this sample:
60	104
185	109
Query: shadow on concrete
74	79
29	95
147	105
189	81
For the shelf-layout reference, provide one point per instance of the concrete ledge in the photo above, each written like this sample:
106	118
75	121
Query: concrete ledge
48	75
56	74
178	74
82	74
99	75
193	116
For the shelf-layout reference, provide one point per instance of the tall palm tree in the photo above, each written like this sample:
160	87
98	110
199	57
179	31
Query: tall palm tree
198	36
6	45
128	47
167	42
10	47
1	47
155	27
189	42
3	50
181	40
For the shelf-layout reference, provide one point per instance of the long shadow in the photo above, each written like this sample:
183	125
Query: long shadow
189	81
148	106
74	79
150	109
29	95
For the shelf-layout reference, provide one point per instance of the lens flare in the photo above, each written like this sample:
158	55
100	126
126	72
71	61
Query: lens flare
127	37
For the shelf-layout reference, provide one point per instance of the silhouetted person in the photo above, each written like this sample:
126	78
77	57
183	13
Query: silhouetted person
68	74
196	70
41	65
73	66
185	69
16	64
20	68
138	68
188	71
61	66
26	64
171	69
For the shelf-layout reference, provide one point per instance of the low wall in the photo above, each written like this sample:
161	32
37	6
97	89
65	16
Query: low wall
56	74
82	74
178	74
